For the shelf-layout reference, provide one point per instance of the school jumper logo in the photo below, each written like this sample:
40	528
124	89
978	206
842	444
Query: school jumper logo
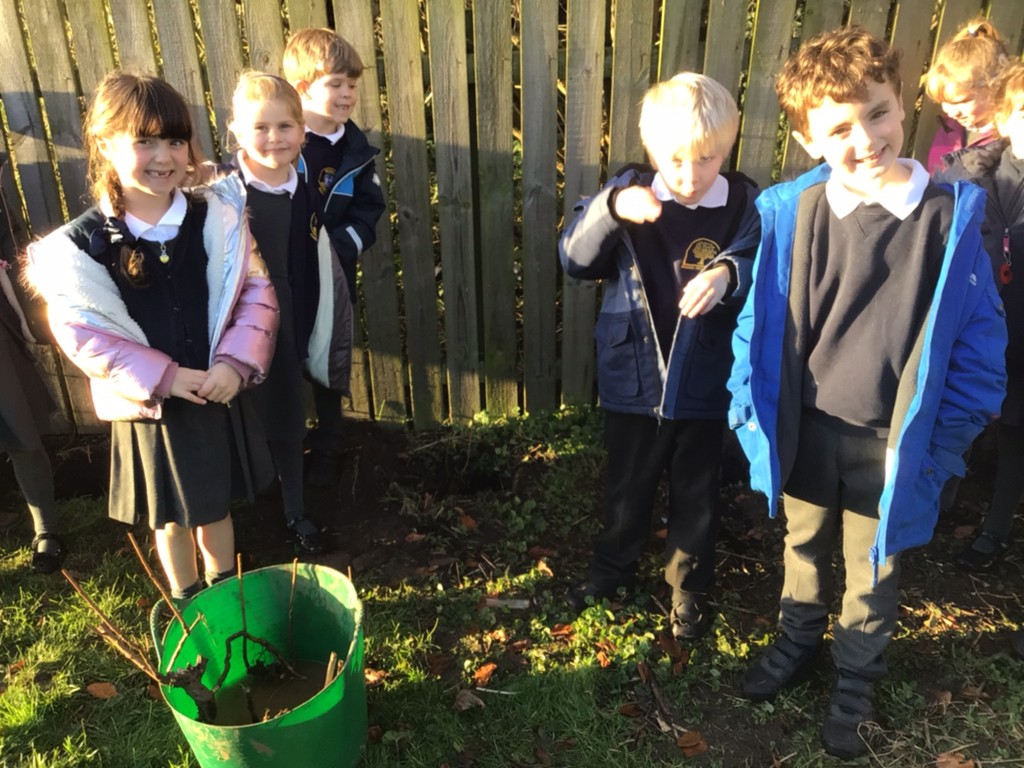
325	180
701	251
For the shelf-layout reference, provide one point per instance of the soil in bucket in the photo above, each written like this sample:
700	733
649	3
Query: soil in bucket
241	630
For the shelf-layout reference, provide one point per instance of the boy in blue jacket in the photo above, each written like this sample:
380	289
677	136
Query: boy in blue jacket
337	165
869	354
673	243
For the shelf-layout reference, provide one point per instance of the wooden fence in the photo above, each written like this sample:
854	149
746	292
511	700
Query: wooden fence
495	116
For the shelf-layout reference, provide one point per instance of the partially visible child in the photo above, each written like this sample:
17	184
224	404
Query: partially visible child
267	124
337	164
960	80
869	354
673	243
158	296
25	407
998	168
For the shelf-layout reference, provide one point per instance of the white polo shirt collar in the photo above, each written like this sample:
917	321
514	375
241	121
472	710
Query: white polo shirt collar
716	196
898	199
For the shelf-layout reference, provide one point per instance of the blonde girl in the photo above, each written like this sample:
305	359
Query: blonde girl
961	81
156	294
267	126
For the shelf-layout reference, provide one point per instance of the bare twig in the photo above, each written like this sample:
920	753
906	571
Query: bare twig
332	662
259	641
157	584
291	599
182	639
113	636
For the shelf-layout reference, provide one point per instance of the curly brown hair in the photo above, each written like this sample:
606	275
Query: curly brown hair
835	65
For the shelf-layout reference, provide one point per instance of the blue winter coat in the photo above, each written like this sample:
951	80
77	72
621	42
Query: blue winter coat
951	388
632	374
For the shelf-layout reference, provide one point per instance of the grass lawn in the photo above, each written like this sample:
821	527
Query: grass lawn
462	544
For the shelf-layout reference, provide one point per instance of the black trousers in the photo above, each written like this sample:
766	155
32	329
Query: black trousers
640	450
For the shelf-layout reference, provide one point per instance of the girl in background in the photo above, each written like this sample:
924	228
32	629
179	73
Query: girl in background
960	80
25	408
267	124
158	296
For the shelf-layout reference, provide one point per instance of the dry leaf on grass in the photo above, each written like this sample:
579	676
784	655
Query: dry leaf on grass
603	660
544	569
414	537
954	760
631	709
467	700
964	531
153	691
101	690
467	522
942	698
374	676
974	693
542	756
692	743
562	630
483	675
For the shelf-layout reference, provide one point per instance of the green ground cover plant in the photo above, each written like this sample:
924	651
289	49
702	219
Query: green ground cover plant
473	659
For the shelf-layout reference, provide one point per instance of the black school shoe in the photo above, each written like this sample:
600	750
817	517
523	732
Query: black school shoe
691	617
781	666
984	551
308	535
50	558
596	590
849	709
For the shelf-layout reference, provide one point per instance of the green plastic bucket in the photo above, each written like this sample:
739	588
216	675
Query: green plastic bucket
329	728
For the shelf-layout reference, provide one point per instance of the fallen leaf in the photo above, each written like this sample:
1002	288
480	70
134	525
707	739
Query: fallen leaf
483	675
537	552
942	698
562	630
974	693
101	690
374	676
153	691
603	660
964	531
467	522
954	760
16	667
692	743
143	602
374	734
467	700
544	569
414	537
644	672
631	709
564	744
542	756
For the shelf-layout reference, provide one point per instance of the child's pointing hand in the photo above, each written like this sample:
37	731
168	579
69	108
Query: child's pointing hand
637	204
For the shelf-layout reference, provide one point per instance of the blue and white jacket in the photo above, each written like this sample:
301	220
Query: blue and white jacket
632	374
951	388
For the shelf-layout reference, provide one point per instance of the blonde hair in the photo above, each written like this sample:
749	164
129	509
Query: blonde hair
970	61
1009	90
689	110
261	87
312	53
834	65
138	106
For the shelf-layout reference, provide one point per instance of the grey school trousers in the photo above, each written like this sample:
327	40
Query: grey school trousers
833	494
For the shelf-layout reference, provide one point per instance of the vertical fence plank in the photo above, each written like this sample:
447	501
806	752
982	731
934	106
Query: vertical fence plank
403	68
133	35
449	74
539	67
176	33
873	15
222	41
585	73
264	29
820	16
1008	17
94	53
26	140
953	15
493	48
770	49
723	59
355	22
912	36
306	13
631	75
679	48
45	23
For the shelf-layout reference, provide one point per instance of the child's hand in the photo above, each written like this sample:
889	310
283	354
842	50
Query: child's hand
222	383
637	204
186	382
704	291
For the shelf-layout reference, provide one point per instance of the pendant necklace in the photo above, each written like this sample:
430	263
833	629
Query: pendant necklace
164	255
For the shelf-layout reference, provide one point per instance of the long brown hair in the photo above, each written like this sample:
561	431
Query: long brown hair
136	105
